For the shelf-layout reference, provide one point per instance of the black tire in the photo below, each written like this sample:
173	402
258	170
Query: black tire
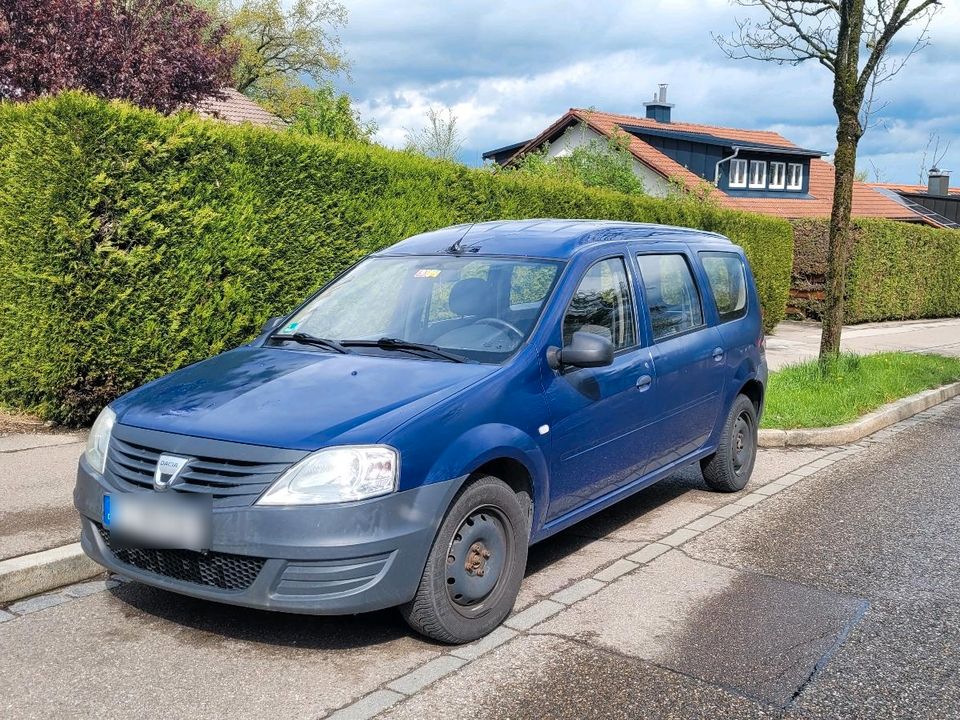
730	467
473	573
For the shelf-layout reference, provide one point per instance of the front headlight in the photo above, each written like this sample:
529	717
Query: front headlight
99	439
337	474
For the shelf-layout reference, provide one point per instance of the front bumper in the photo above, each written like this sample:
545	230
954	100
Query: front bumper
322	560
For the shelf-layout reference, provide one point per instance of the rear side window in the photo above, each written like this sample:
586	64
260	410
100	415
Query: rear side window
602	305
728	283
672	296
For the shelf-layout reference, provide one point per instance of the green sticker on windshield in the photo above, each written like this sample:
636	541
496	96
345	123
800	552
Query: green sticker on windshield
291	326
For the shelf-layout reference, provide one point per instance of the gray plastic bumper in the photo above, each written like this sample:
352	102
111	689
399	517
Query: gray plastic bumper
323	560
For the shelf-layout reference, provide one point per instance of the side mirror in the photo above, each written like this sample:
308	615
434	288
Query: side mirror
271	324
586	350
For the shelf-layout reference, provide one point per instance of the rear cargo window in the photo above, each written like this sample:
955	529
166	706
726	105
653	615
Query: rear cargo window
728	283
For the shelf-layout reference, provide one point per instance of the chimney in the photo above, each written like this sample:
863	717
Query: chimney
938	182
659	109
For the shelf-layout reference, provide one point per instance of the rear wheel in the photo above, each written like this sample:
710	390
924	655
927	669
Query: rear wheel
730	467
476	564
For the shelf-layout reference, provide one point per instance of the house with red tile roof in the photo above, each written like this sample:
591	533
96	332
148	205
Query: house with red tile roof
236	108
754	170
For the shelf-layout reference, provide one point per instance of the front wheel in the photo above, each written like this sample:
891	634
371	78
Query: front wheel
730	467
473	573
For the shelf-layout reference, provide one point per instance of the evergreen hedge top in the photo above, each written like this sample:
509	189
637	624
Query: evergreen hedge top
133	244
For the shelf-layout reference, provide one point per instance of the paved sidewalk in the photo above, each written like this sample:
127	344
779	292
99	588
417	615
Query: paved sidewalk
793	342
37	473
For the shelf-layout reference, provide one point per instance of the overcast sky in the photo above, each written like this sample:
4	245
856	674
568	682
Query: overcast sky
509	69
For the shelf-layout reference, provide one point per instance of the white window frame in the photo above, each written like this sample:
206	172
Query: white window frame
738	169
795	185
774	184
758	168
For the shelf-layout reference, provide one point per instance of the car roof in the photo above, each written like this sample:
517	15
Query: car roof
545	238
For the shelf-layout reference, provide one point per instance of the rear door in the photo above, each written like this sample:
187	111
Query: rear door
687	353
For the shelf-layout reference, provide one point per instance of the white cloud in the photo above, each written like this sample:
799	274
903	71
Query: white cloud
508	69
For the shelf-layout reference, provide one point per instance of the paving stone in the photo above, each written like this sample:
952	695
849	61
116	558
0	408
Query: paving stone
750	500
805	471
485	644
89	588
4	616
728	511
577	591
534	614
39	602
707	522
418	679
771	489
675	539
369	706
648	553
620	567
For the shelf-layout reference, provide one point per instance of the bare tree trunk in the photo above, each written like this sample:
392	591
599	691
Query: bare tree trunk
845	161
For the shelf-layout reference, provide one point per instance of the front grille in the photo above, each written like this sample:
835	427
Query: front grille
232	483
213	569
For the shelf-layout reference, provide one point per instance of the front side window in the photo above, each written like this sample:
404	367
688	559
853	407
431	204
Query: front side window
738	173
481	308
602	305
672	296
758	174
728	283
795	176
778	175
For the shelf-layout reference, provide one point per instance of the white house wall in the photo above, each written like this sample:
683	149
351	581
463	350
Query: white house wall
575	136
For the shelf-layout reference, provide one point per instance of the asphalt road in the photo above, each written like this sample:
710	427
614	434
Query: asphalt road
830	588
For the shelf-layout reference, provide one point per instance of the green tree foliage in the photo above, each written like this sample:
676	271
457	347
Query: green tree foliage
322	112
597	163
439	138
133	243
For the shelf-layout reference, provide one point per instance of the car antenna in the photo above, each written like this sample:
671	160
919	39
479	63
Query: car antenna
456	247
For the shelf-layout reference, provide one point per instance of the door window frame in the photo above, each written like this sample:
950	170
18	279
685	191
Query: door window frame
631	289
704	322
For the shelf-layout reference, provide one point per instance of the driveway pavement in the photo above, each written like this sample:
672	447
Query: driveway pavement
829	588
793	342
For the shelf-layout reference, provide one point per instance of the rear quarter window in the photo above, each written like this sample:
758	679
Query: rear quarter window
728	283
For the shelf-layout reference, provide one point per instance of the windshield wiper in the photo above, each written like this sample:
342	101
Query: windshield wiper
308	339
386	343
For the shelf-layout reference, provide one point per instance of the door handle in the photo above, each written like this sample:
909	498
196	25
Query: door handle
644	382
718	354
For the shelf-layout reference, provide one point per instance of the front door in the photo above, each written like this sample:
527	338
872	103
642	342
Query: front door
596	413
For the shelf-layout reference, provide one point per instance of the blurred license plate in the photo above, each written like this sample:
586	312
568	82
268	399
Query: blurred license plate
173	521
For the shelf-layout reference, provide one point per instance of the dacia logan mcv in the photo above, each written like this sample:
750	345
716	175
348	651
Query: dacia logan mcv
404	435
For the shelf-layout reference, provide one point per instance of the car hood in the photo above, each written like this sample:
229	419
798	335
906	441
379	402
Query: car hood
298	399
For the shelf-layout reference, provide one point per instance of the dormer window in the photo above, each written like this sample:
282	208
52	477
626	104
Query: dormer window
778	175
795	176
738	173
758	174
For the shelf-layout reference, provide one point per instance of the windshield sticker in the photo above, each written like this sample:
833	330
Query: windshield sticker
291	326
427	273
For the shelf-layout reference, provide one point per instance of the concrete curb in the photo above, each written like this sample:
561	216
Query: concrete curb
31	574
867	425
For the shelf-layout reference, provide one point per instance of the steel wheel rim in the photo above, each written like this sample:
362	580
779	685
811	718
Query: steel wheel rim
743	442
478	559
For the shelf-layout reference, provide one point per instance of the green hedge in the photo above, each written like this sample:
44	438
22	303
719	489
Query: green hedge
897	271
133	244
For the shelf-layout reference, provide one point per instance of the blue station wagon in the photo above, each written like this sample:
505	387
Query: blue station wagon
402	437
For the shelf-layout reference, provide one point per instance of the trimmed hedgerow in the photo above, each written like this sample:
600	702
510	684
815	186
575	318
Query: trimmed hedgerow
133	244
897	271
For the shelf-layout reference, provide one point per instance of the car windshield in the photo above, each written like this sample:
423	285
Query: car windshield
478	308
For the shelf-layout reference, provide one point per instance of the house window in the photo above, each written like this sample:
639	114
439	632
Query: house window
738	173
795	176
758	174
778	175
